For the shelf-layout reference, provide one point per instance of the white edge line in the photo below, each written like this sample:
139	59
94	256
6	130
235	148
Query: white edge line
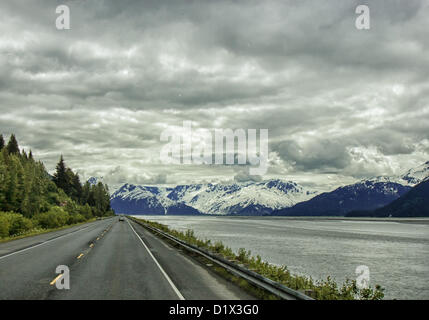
159	266
41	244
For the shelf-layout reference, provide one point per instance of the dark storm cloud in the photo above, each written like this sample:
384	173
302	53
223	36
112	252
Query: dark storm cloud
335	99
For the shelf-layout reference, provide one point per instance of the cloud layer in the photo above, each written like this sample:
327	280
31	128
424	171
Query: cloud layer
336	100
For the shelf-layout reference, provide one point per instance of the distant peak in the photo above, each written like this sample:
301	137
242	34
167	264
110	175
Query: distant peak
95	180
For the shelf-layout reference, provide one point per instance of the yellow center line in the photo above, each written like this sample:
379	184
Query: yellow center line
80	256
56	279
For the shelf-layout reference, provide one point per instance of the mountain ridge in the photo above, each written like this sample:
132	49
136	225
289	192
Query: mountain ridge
414	203
225	199
269	197
364	195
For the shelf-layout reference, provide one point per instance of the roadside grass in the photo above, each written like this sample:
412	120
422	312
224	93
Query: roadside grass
318	289
38	231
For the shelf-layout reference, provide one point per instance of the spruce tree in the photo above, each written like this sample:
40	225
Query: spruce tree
61	177
4	179
77	188
74	188
86	190
12	146
1	142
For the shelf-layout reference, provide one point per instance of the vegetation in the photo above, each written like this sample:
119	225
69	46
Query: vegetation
30	199
321	290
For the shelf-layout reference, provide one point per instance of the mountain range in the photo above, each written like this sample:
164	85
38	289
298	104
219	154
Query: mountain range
249	198
271	197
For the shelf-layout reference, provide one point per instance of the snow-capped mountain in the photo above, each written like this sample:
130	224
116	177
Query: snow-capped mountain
274	196
414	203
250	198
364	195
95	180
410	178
256	197
368	194
132	199
416	175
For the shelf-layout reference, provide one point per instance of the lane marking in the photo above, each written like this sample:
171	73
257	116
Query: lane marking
91	245
181	297
43	243
56	279
80	256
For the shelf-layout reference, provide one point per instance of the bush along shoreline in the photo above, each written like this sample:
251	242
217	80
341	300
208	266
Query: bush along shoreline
318	289
32	201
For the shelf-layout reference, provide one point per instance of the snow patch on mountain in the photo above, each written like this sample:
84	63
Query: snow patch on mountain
253	198
112	187
234	197
416	175
410	178
95	180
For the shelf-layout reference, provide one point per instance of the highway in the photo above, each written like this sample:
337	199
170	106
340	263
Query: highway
108	259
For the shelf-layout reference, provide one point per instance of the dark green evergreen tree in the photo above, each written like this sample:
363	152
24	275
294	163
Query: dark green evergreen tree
4	178
12	146
86	190
61	177
75	186
1	142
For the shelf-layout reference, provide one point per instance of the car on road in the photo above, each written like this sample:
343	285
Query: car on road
121	218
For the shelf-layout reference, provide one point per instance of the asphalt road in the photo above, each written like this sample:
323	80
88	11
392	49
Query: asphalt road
107	259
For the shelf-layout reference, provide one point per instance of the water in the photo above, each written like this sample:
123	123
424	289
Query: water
396	251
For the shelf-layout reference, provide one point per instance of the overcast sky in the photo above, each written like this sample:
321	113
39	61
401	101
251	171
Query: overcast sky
339	103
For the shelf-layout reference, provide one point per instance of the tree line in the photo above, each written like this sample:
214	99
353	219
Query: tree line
31	198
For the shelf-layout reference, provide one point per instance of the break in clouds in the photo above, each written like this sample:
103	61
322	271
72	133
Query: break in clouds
339	103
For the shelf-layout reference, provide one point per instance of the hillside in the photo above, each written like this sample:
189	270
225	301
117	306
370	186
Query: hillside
414	203
365	195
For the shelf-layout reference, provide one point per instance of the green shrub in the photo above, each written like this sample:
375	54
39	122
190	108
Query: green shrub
75	218
54	218
71	207
243	255
12	224
4	226
20	225
86	211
